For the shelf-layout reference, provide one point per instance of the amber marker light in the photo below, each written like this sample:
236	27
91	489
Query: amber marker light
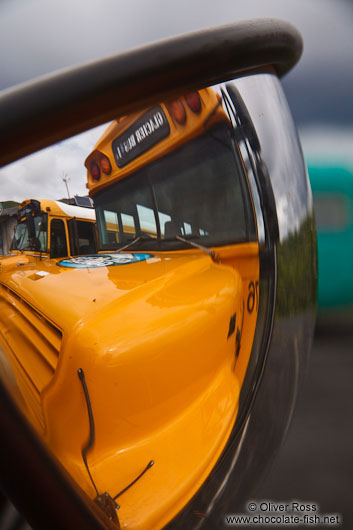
105	165
177	111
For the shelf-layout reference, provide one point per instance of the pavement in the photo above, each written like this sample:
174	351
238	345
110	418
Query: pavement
315	464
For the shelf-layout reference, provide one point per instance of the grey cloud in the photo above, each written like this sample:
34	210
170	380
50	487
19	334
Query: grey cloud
40	175
40	36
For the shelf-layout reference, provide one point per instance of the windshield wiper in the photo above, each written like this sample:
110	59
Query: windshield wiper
208	251
136	240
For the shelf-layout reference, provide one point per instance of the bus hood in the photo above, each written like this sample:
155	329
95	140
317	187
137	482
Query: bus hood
14	260
70	290
157	339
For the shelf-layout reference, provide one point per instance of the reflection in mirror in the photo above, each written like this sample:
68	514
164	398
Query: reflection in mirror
136	360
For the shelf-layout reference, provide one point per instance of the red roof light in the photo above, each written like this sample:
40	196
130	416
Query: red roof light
95	171
194	101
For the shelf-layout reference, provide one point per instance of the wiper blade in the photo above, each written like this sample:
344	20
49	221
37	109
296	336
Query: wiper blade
136	240
208	251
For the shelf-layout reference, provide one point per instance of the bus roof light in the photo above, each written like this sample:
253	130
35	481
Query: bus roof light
95	171
193	101
105	165
177	111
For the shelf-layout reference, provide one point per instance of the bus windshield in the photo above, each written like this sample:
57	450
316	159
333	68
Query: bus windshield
31	233
197	191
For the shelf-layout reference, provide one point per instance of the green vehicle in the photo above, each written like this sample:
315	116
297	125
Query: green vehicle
332	189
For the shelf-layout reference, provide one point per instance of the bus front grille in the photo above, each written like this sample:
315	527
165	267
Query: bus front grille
32	342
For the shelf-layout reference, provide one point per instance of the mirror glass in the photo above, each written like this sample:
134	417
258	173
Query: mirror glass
127	329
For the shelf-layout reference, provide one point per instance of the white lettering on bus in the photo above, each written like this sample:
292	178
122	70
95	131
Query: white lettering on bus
149	127
129	144
143	132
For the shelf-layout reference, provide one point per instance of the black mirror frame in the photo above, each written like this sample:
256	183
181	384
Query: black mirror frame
39	113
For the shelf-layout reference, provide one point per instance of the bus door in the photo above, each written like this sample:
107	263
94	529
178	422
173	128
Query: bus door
58	239
82	237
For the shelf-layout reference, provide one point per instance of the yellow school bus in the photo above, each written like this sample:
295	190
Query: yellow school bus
148	359
51	229
46	231
154	351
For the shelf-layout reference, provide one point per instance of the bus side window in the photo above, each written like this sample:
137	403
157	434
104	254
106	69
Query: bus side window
113	229
58	244
129	226
86	237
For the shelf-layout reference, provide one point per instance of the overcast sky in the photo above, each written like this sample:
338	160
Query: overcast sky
41	36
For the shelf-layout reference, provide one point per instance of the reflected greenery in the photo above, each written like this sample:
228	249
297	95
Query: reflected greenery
297	281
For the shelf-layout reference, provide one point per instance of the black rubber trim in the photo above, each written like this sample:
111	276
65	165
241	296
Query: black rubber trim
39	113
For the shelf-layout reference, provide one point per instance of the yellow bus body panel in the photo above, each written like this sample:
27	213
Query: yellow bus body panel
160	368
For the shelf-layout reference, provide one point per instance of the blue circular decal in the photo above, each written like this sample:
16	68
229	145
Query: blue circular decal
102	260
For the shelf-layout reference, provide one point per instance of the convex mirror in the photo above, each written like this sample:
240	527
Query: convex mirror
148	380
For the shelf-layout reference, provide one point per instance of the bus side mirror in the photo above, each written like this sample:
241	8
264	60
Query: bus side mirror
249	57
